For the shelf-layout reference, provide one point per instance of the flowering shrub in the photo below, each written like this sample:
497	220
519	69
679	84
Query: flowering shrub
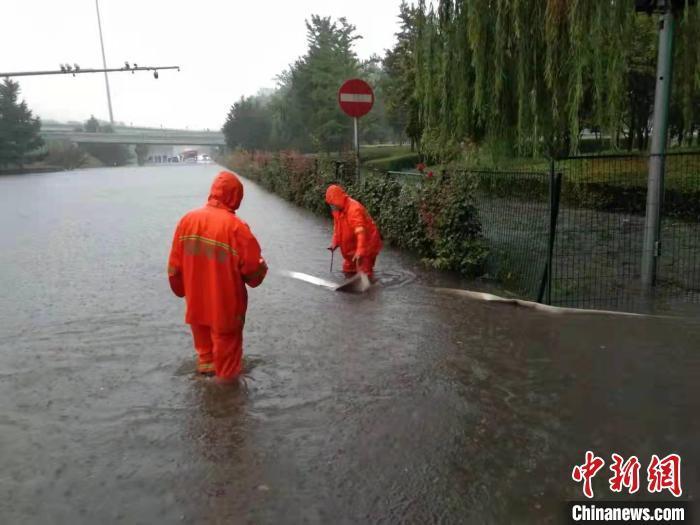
436	219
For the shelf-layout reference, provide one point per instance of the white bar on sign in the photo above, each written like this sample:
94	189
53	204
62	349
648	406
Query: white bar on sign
355	97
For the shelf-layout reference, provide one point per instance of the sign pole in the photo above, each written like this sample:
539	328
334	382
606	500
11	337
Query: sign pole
357	149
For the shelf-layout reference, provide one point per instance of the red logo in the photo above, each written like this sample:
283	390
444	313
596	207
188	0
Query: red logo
587	471
665	474
662	474
624	474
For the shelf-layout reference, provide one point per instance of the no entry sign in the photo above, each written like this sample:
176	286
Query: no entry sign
355	97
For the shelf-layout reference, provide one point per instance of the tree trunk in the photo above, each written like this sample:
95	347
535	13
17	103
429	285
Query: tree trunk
630	138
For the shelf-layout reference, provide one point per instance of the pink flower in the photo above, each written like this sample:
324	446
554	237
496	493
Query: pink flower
420	167
430	174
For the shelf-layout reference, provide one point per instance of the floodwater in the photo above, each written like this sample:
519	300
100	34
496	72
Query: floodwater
401	405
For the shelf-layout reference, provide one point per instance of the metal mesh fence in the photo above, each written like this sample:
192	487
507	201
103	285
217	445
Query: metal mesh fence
597	233
678	271
600	232
513	207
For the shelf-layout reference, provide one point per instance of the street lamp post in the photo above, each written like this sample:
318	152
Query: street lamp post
104	63
657	157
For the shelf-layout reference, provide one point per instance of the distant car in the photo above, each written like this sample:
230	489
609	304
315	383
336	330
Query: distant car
173	159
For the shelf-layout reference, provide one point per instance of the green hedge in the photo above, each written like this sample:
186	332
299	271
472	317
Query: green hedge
383	151
436	219
395	163
609	191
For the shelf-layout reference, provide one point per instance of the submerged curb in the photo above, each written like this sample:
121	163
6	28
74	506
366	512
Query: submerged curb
558	310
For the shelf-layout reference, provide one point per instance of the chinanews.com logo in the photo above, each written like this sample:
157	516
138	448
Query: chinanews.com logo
662	475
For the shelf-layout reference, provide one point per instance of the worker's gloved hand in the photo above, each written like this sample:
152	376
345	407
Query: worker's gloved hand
356	258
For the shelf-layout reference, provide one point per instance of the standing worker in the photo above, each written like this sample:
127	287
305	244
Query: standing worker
354	232
213	257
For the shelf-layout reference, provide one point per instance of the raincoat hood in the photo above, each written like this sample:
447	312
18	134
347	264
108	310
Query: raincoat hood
336	196
226	191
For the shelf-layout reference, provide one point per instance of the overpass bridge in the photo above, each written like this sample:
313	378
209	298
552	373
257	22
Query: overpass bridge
148	136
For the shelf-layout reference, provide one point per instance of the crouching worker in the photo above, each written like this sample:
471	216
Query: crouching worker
214	256
354	232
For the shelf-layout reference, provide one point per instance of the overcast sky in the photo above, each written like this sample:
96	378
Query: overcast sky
226	48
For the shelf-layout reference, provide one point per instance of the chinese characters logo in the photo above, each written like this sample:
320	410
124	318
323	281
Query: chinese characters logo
662	473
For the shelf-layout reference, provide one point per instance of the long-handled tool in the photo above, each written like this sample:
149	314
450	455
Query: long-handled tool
358	283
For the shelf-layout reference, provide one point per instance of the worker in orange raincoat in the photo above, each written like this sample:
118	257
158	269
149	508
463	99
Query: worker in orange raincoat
354	232
214	256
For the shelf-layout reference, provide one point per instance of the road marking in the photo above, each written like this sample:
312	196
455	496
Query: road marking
356	97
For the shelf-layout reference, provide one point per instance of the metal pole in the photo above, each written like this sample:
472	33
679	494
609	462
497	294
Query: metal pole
104	63
550	244
84	71
357	149
547	270
554	198
657	158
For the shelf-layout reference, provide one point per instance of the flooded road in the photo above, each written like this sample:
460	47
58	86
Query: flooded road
402	405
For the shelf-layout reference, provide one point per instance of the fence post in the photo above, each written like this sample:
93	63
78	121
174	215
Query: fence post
337	171
554	197
553	229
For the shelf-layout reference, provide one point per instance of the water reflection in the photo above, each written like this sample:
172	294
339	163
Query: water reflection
218	432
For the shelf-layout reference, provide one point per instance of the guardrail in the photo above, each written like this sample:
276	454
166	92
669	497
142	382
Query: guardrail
158	138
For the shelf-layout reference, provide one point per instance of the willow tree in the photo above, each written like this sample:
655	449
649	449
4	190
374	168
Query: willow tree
529	72
399	80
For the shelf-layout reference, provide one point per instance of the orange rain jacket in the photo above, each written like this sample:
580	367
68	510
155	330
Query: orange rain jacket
353	228
214	255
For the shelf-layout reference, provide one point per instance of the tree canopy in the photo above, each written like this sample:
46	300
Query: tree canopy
249	124
302	112
19	129
526	75
532	72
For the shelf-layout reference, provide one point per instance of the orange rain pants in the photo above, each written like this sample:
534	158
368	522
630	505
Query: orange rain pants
221	354
214	256
354	232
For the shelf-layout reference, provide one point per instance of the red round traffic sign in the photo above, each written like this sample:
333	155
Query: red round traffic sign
355	97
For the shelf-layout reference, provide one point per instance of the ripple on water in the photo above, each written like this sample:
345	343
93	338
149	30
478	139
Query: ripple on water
187	366
395	278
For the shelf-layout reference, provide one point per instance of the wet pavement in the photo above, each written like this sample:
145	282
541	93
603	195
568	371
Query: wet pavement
401	405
